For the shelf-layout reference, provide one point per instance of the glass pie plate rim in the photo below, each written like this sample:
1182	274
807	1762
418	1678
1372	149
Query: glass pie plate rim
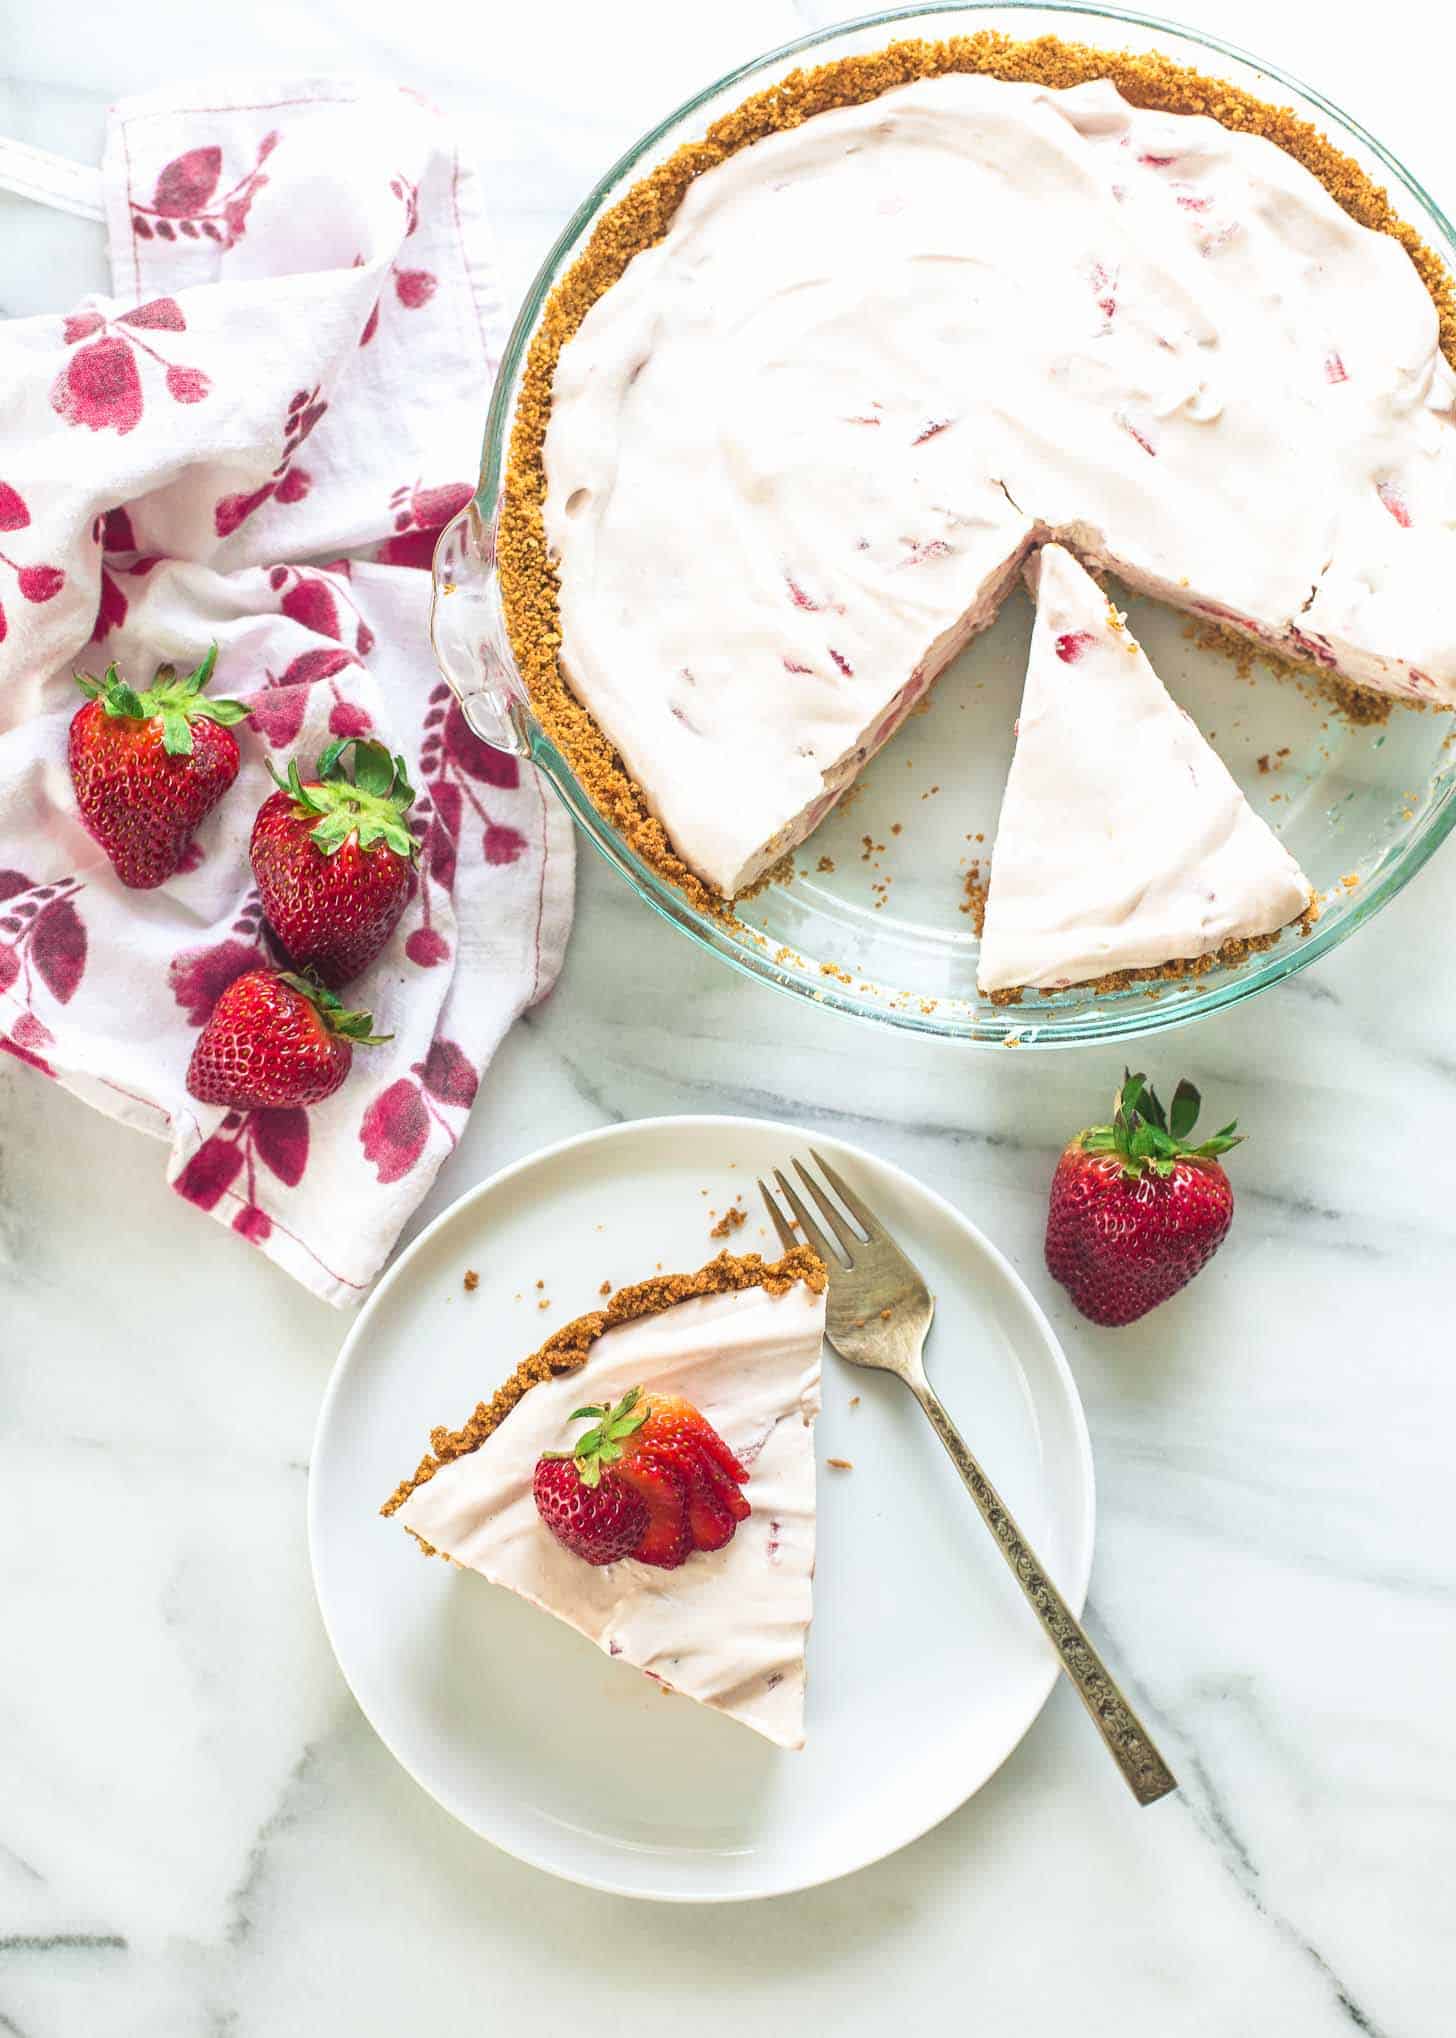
498	709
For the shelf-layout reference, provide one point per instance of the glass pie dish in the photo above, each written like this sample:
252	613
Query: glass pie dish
877	917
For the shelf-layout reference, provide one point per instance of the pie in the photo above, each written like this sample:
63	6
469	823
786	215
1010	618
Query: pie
1123	842
820	385
741	1340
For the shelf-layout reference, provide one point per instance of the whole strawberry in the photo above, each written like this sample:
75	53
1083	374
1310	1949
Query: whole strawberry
651	1480
275	1039
334	857
148	766
1135	1210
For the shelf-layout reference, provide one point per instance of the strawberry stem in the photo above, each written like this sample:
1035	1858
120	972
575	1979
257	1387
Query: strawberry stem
1145	1137
603	1444
371	805
176	703
357	1027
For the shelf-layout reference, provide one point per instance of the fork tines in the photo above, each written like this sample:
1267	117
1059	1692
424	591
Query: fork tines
849	1240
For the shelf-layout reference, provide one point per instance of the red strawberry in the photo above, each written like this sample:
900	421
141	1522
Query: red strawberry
275	1039
663	1453
676	1438
667	1541
1135	1211
333	857
599	1523
148	766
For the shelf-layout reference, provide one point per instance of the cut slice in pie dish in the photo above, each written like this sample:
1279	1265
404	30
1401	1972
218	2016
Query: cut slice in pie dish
740	1341
1124	844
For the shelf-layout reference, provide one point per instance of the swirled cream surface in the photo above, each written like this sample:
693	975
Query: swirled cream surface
798	452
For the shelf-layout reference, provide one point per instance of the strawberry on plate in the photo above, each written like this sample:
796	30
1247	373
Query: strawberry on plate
147	767
1135	1210
276	1039
601	1521
334	858
652	1479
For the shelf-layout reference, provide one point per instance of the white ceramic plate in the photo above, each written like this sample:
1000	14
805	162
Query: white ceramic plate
925	1666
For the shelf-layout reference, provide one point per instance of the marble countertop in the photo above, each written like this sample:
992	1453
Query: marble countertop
200	1837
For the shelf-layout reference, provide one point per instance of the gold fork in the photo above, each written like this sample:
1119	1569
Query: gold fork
879	1314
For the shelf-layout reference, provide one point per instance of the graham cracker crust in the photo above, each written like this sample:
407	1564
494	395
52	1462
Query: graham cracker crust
569	1348
1224	957
528	582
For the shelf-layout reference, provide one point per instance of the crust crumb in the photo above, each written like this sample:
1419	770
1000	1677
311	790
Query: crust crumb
977	889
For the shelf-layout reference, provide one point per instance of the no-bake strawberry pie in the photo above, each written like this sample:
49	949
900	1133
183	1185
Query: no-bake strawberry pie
648	1477
820	385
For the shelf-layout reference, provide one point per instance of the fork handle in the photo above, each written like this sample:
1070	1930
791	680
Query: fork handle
1144	1770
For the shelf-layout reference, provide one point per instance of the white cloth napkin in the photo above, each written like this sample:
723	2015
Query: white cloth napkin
254	441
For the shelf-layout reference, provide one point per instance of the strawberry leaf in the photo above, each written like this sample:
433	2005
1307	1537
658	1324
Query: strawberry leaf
176	733
369	807
354	1026
1145	1139
359	1028
373	768
1184	1112
1150	1107
1221	1142
1129	1097
197	680
602	1444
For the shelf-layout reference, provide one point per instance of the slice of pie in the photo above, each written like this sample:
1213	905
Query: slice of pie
683	1376
1124	843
